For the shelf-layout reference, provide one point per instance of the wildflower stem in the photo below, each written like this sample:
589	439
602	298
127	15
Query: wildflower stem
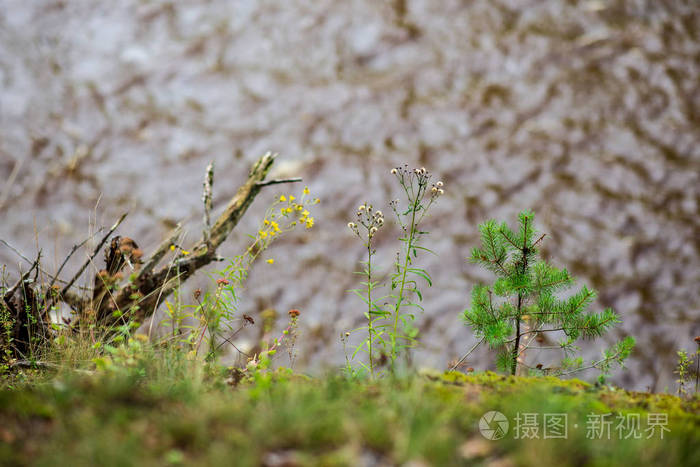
370	328
402	286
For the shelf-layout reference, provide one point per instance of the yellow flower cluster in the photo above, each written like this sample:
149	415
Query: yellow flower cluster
290	206
175	247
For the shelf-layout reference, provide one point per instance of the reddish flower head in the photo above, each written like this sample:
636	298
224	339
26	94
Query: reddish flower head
221	282
294	313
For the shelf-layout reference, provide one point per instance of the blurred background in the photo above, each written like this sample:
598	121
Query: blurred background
587	112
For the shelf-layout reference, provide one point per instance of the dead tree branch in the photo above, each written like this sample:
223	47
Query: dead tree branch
148	289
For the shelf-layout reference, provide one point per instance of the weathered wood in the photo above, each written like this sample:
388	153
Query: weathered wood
147	287
140	298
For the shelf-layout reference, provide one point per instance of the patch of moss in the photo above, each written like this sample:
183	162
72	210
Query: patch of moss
432	418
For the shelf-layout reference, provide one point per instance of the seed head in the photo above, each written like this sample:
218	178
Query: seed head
439	184
394	171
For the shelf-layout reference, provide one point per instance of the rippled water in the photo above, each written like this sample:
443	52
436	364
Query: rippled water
587	112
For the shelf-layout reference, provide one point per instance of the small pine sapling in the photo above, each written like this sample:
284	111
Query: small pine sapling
523	303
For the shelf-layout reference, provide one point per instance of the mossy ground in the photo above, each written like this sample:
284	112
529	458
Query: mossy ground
144	418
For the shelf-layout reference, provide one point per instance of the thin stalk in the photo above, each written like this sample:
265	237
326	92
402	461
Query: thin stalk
516	346
402	287
514	364
697	369
370	328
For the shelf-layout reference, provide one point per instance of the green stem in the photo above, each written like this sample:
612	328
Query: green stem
399	299
370	330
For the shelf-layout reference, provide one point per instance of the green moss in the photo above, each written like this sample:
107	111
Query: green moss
431	418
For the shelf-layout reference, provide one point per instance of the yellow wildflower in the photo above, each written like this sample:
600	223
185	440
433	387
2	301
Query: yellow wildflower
271	261
283	198
305	213
299	207
266	222
306	190
185	252
309	222
291	198
172	247
263	234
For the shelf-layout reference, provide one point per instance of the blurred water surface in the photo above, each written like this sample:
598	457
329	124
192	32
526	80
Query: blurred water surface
588	112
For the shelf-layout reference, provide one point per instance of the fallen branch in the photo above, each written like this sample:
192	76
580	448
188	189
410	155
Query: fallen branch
140	298
109	305
73	250
94	253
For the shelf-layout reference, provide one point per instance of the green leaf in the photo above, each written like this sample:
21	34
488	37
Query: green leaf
423	274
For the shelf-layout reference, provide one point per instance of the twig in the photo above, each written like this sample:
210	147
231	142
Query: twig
206	198
5	194
454	367
9	292
592	365
75	248
94	253
45	365
16	251
162	249
539	239
278	181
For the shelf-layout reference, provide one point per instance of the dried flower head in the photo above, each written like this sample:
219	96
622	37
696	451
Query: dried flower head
197	293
